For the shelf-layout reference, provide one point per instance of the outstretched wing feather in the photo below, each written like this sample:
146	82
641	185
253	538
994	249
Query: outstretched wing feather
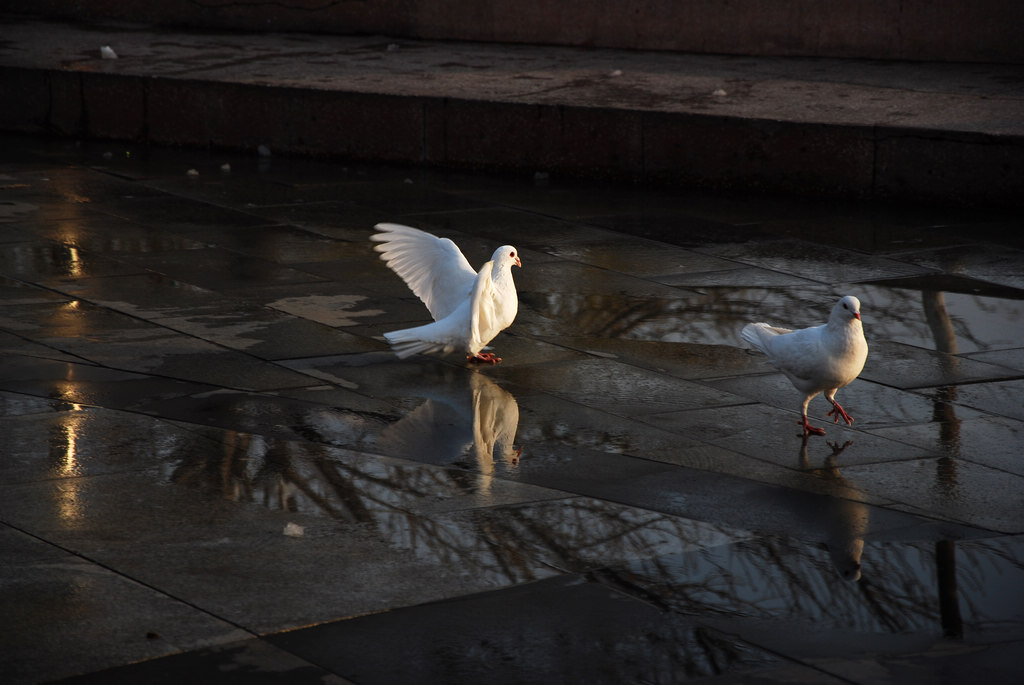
434	268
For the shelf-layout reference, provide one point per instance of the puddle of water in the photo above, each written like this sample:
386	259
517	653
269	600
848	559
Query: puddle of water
954	322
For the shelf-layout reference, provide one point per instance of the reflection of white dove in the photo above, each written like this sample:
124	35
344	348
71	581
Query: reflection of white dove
469	307
844	515
448	424
819	359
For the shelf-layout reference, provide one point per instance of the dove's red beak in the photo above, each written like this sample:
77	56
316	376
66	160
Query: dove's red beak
856	315
520	265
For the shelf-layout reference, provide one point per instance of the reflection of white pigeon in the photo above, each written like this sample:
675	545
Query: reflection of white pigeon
840	509
478	421
469	308
820	359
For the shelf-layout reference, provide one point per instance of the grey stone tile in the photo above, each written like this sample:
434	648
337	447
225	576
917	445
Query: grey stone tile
992	441
179	214
949	489
52	262
637	257
871	404
81	383
15	292
64	615
1012	358
268	334
577	279
736	277
814	261
280	244
679	359
197	545
1000	397
73	441
909	367
984	261
12	344
953	322
328	302
104	234
283	414
543	640
219	270
774	436
16	404
614	387
151	296
240	662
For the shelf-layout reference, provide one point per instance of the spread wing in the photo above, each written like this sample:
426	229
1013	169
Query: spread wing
434	268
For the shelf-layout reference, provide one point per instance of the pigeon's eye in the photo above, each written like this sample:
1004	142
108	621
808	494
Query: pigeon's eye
512	253
844	306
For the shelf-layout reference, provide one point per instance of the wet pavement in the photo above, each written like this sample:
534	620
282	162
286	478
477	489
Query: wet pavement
213	468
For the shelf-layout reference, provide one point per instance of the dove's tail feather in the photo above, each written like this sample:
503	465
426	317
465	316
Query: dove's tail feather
407	342
758	335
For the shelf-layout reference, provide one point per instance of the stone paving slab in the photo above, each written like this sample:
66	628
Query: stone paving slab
224	469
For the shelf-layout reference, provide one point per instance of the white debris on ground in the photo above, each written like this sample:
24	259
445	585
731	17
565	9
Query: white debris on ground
294	530
107	52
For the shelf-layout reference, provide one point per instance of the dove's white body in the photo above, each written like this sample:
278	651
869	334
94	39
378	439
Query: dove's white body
819	359
469	308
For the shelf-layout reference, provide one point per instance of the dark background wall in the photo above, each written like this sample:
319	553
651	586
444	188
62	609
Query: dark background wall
937	30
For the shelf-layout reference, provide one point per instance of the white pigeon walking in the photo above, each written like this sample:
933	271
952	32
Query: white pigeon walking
819	359
469	307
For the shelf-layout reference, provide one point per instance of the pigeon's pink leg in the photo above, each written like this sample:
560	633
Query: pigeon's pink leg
809	429
484	358
838	411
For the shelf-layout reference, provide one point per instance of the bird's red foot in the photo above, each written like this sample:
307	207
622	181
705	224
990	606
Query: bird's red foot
838	411
484	358
809	429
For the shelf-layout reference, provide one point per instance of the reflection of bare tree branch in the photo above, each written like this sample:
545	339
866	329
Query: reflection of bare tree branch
690	567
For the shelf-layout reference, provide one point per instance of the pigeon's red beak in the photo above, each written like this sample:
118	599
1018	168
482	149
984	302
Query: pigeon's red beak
856	315
520	264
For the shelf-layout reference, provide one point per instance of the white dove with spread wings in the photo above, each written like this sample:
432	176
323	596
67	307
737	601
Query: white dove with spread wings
469	308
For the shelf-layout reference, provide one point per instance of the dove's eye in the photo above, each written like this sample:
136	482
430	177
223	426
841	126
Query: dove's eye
512	253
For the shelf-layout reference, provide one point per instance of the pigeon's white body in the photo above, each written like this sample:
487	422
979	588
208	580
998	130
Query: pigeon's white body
469	308
819	359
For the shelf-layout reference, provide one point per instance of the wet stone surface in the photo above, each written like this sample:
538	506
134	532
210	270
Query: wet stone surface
211	461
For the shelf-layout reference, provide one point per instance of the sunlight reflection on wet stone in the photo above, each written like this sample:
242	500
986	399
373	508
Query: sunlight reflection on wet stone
333	310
